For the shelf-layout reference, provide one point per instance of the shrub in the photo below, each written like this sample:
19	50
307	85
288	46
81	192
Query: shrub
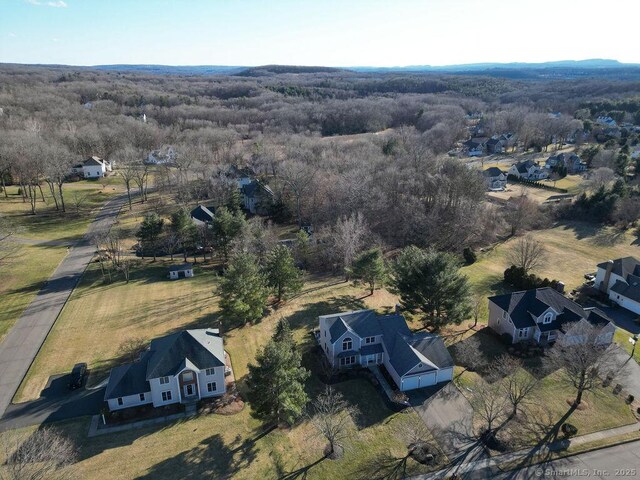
507	338
518	278
569	430
469	256
630	399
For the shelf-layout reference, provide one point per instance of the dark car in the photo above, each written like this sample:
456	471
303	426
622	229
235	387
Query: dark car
77	376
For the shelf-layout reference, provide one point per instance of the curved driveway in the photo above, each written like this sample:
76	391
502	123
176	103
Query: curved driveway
22	343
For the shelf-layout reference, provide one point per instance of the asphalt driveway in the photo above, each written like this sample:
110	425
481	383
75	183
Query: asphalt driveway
447	413
628	374
56	403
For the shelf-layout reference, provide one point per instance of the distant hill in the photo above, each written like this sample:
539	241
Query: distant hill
174	69
282	69
593	63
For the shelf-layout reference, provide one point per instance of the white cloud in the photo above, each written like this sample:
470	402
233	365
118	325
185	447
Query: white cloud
11	34
53	3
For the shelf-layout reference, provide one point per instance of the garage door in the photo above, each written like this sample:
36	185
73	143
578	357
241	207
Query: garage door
418	381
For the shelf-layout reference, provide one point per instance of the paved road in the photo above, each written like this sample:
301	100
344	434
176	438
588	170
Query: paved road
621	461
629	371
24	340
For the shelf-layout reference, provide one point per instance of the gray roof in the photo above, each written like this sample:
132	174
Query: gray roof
623	266
202	214
525	306
167	356
93	161
405	349
522	167
252	188
492	172
630	290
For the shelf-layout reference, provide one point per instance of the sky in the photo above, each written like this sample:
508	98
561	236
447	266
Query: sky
322	32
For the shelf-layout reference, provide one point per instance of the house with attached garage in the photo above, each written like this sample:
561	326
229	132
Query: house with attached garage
620	280
179	368
543	315
363	338
92	167
528	170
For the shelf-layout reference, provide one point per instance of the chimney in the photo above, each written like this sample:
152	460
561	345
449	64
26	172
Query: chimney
604	286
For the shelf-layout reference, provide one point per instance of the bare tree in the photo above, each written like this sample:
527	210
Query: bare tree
490	404
516	383
527	253
57	165
521	213
331	416
125	265
9	248
349	235
470	355
43	454
127	162
297	176
581	358
130	349
78	200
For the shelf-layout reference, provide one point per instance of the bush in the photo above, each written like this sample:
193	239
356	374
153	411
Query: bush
469	256
520	280
630	399
569	430
507	338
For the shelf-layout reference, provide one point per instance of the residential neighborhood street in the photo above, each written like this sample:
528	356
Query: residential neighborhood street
24	340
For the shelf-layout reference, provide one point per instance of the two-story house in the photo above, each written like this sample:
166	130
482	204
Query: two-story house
179	368
620	280
571	162
528	170
92	167
476	146
364	338
495	179
543	315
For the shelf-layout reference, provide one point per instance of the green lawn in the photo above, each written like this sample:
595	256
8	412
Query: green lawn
622	338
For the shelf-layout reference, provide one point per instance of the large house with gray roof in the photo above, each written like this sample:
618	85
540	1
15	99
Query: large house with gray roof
620	280
364	338
179	368
543	315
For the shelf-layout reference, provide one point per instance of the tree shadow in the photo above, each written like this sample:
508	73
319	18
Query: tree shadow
211	458
309	315
301	472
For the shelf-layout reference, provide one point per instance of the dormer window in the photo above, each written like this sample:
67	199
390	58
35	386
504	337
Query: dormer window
548	318
347	344
369	340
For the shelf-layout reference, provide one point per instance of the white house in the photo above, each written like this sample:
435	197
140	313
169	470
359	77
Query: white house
528	170
179	368
364	338
92	167
543	315
495	178
604	120
620	280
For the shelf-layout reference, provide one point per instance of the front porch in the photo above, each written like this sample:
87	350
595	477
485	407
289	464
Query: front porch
545	338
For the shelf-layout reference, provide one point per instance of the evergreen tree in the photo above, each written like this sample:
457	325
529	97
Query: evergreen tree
283	277
243	291
149	233
369	268
430	282
302	247
185	230
227	225
276	381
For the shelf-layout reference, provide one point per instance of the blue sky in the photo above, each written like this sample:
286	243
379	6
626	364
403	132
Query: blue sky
321	32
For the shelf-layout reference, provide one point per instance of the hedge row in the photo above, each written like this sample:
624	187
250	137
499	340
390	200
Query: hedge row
530	183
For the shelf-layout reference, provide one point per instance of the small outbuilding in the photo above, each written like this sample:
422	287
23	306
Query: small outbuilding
185	270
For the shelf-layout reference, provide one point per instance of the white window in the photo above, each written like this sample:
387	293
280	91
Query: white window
120	401
348	360
187	376
209	371
548	317
211	387
164	380
166	395
368	340
347	344
522	332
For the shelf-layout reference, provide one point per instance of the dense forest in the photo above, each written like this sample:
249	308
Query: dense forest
365	151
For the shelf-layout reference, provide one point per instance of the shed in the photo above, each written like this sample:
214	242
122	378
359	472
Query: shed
185	270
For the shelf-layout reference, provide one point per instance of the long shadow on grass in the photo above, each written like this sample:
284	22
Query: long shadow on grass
211	458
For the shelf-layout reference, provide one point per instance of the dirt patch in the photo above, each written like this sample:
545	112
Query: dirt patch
583	405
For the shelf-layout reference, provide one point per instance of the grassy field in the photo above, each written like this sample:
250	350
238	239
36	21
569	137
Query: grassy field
573	249
23	278
571	183
93	326
622	338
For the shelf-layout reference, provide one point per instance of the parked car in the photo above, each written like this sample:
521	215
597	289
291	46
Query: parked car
78	373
